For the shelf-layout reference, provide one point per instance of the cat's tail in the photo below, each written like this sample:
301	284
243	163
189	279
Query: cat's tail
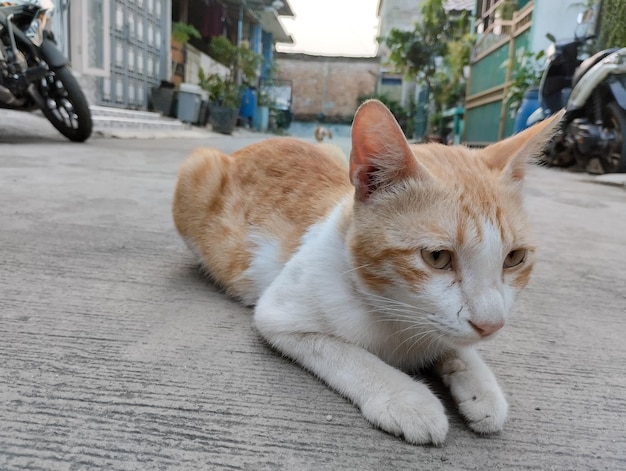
199	192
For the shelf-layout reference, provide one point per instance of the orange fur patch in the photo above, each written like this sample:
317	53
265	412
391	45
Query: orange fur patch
279	187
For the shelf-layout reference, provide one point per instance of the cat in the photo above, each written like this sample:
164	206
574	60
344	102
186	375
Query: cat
406	259
321	133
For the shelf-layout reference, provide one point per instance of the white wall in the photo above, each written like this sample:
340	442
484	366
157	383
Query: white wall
197	59
557	17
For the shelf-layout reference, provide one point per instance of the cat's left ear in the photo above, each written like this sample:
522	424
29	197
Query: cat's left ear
380	155
511	155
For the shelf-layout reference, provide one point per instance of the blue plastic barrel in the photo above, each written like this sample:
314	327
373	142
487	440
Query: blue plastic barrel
530	103
248	103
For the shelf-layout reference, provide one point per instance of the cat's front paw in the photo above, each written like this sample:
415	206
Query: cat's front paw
475	390
486	411
415	414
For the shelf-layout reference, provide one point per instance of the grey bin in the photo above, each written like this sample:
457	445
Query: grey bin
189	100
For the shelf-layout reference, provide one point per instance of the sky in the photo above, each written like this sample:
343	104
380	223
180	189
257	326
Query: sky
332	27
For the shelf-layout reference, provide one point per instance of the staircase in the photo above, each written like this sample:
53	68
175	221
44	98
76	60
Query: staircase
107	118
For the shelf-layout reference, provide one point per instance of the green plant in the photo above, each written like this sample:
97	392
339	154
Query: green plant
220	90
437	39
265	97
183	32
526	74
507	8
613	18
242	63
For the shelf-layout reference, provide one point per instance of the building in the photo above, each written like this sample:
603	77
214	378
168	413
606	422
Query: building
121	49
401	15
327	88
503	28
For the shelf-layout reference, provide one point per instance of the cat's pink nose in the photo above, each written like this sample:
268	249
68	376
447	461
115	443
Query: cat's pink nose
485	329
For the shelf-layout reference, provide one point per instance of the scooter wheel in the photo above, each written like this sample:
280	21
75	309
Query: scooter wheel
615	160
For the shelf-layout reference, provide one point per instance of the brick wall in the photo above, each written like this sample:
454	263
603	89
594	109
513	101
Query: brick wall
327	85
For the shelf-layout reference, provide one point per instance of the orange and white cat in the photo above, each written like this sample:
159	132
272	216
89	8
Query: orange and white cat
406	260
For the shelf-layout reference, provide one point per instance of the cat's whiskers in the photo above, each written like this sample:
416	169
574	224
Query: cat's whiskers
381	298
351	270
416	339
399	311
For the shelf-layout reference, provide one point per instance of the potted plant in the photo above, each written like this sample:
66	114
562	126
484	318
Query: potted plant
225	92
223	101
506	9
262	113
523	88
266	98
163	97
181	35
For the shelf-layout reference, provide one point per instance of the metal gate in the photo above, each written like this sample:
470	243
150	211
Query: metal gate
139	52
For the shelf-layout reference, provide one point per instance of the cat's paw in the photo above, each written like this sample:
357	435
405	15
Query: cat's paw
476	392
485	411
415	414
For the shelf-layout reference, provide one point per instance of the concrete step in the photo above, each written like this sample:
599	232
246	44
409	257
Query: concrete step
109	117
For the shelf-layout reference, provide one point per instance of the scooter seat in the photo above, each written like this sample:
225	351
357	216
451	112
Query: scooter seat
588	63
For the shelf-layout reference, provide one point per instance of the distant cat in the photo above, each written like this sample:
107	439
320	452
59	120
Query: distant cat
322	133
406	260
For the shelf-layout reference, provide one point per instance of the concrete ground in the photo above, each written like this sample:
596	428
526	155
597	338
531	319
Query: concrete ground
116	354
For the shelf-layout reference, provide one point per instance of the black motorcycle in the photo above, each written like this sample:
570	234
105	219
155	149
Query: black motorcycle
593	93
35	74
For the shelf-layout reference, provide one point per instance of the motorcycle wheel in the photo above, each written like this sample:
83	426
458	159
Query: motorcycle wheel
65	105
615	161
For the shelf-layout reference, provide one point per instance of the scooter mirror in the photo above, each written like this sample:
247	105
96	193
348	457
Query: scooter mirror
551	37
586	24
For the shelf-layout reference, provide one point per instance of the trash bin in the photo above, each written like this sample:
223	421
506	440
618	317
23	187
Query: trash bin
189	100
203	114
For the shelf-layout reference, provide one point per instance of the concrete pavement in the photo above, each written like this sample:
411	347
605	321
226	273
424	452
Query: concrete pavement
115	352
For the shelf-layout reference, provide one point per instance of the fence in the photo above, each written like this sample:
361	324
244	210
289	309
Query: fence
486	117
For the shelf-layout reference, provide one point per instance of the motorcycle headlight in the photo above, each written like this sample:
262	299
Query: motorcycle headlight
551	51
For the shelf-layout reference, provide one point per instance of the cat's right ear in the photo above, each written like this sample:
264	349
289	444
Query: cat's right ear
380	154
510	155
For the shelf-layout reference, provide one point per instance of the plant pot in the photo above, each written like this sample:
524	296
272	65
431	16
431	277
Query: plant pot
223	119
178	52
203	116
163	99
178	62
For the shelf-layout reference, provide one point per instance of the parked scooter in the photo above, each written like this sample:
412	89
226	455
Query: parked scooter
593	93
35	74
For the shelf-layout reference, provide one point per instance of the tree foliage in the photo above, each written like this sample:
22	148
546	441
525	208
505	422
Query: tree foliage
183	32
613	19
242	64
434	52
527	70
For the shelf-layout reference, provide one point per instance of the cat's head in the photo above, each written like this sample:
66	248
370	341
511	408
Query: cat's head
439	234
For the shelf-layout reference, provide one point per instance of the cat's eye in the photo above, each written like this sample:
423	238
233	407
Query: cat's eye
439	259
515	258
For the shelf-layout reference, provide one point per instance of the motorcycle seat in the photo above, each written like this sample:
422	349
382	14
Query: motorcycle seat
588	63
